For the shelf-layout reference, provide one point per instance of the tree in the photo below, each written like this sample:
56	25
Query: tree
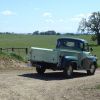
36	33
58	33
51	32
91	25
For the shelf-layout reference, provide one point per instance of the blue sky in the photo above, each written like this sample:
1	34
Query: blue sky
24	16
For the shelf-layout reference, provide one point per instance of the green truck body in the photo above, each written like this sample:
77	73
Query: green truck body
70	54
44	55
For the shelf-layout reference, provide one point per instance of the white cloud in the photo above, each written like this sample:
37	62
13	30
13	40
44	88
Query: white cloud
47	14
50	21
7	13
80	16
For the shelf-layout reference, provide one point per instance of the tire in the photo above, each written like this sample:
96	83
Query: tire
40	70
92	69
68	71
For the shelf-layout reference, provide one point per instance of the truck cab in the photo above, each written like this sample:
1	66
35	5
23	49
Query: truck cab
72	44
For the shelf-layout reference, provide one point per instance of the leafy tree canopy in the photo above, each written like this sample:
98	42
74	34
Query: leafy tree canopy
91	25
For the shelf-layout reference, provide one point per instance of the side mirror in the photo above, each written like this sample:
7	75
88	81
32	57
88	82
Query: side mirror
91	49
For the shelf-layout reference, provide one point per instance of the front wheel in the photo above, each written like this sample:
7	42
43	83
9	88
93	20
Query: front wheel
68	71
92	69
40	70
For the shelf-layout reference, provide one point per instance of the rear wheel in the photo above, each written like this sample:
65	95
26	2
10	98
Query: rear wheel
68	71
40	70
92	69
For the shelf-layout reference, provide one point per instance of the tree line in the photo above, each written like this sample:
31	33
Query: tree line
46	33
50	32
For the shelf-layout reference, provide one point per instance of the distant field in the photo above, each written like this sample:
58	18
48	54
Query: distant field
9	41
31	40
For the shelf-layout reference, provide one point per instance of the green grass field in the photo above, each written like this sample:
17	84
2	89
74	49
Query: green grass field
48	41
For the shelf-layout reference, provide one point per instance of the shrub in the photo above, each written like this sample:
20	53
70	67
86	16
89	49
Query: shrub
15	56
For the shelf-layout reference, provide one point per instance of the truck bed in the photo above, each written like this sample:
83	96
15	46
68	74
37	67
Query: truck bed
44	55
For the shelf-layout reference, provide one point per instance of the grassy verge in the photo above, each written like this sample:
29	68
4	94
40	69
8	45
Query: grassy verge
99	65
98	87
14	56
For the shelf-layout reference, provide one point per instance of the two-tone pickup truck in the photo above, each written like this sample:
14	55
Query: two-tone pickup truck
70	54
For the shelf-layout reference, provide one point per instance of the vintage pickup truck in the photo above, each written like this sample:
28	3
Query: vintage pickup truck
70	54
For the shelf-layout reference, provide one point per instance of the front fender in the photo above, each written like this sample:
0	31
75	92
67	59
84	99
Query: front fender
70	59
93	59
86	62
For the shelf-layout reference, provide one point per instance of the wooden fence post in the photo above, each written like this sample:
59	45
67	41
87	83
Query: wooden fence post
26	50
12	49
1	49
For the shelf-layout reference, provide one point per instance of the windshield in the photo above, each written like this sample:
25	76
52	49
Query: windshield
86	47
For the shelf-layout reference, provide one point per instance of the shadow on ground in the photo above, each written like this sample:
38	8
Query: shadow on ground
53	76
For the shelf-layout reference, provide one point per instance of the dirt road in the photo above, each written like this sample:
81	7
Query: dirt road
27	85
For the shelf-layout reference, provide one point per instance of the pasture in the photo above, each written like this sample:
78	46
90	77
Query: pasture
44	41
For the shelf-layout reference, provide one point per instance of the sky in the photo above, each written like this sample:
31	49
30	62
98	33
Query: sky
27	16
